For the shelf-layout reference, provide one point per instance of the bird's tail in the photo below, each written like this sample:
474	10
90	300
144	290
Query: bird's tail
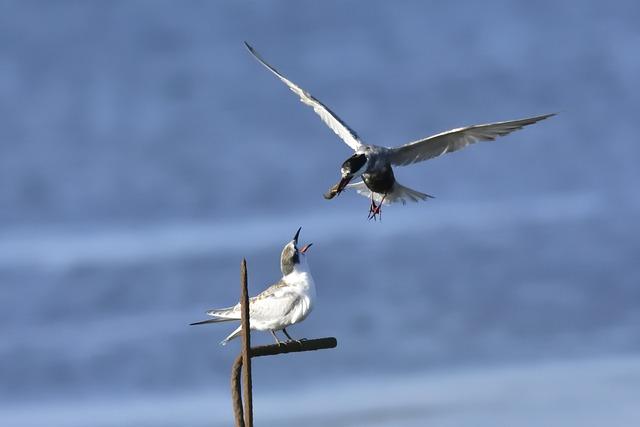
221	315
227	313
204	322
404	194
400	193
232	335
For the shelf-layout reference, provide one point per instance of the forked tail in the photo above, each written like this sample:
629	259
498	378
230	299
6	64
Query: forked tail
400	193
221	315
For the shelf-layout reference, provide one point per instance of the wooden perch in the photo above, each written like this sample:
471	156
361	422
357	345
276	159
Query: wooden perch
243	361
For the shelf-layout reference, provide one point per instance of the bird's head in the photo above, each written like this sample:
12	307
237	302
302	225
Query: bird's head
354	166
292	257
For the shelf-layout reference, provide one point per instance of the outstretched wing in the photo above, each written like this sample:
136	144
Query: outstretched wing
341	129
453	140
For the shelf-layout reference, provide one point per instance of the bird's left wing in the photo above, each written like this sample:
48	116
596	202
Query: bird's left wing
453	140
341	129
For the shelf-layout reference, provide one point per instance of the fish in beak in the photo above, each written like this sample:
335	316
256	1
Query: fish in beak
337	189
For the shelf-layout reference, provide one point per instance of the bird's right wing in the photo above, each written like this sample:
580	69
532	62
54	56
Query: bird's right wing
341	129
455	139
274	303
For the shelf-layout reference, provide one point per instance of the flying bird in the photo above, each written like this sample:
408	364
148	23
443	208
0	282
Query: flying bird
282	304
374	164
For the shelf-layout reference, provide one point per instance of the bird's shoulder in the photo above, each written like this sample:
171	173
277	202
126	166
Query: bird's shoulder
279	288
372	150
277	300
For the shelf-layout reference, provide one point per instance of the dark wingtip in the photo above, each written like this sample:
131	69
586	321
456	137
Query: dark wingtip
295	238
250	48
546	116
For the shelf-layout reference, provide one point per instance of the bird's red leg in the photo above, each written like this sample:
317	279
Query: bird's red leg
372	207
376	210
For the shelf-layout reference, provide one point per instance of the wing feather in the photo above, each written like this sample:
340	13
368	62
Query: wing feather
348	135
455	139
273	303
277	306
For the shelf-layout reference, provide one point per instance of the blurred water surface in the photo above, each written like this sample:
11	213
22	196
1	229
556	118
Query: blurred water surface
144	153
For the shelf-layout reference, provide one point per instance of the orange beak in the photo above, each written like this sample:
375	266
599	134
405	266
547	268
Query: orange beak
305	248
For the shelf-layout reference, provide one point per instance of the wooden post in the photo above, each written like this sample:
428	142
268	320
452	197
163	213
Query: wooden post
241	370
236	391
246	345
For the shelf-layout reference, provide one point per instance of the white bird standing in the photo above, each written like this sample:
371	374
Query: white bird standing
282	304
374	163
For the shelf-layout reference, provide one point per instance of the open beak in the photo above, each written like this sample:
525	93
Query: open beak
305	248
295	237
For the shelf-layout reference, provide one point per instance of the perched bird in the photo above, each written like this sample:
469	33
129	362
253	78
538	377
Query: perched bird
282	304
374	163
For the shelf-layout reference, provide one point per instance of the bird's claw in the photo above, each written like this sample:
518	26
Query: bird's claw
375	211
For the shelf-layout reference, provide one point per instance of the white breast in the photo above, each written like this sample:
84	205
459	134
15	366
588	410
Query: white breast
301	281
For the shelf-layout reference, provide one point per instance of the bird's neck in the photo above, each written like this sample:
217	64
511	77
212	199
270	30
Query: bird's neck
300	276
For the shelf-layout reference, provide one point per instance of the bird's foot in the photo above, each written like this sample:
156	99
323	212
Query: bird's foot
372	207
375	211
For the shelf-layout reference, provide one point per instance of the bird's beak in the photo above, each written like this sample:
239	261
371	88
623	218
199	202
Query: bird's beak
305	248
295	238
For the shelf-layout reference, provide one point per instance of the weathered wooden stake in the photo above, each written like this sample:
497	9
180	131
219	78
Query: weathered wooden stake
246	345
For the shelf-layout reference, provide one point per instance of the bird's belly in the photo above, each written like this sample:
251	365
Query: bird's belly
298	313
380	182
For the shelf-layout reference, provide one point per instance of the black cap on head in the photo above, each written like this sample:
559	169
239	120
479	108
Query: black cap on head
354	163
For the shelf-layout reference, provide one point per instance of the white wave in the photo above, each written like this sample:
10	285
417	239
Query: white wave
61	249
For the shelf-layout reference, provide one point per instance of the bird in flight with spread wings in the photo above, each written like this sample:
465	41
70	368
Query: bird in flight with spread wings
373	163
